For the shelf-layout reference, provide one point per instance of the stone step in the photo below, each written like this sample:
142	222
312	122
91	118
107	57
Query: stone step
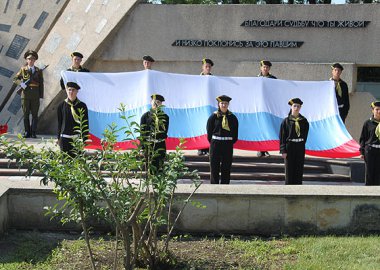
203	166
234	176
243	168
17	172
320	177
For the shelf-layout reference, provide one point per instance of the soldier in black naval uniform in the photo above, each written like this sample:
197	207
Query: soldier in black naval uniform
69	113
207	65
265	67
293	135
370	146
341	91
154	130
76	58
222	133
31	81
148	61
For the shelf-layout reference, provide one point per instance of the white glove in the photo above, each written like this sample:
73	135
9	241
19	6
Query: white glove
23	85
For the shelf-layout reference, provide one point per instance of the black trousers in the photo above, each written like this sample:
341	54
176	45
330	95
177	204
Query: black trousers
157	156
294	163
220	161
372	166
66	145
343	114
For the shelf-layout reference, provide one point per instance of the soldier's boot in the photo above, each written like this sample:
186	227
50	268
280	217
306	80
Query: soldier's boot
34	127
26	128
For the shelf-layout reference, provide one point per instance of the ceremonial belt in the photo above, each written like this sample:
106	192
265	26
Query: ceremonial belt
341	106
222	138
155	140
375	145
296	140
69	136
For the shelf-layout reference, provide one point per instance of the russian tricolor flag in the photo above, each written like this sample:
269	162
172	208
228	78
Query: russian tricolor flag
259	103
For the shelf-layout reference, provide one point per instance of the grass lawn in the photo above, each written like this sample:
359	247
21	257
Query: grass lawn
44	250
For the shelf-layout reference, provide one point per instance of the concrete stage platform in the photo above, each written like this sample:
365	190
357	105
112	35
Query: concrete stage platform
243	207
259	209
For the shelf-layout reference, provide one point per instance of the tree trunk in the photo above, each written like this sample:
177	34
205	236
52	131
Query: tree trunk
86	237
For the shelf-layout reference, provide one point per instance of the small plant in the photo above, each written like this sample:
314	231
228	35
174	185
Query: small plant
123	188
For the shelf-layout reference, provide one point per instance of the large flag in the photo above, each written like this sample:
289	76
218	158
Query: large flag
259	103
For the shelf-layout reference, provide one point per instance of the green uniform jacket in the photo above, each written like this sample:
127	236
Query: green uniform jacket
34	81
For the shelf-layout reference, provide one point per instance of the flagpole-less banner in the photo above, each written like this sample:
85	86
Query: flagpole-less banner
259	103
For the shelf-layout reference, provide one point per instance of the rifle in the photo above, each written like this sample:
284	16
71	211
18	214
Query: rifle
19	88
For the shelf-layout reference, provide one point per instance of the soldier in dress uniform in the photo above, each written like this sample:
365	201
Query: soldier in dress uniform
76	58
370	146
69	114
31	81
207	65
293	135
147	61
222	133
154	130
341	91
265	67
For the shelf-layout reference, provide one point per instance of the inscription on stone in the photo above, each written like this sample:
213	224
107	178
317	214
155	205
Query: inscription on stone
237	43
101	25
5	27
6	72
19	4
15	105
304	24
40	21
53	42
22	19
17	46
73	42
6	6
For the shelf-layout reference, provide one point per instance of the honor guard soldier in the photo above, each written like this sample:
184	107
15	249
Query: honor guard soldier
341	91
222	133
70	113
154	130
76	59
148	61
31	81
370	146
207	65
293	135
265	67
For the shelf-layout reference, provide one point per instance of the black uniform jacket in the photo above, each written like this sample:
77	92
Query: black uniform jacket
344	99
66	122
288	131
214	126
368	135
270	76
148	125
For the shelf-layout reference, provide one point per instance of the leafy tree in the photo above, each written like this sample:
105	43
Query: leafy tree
121	187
